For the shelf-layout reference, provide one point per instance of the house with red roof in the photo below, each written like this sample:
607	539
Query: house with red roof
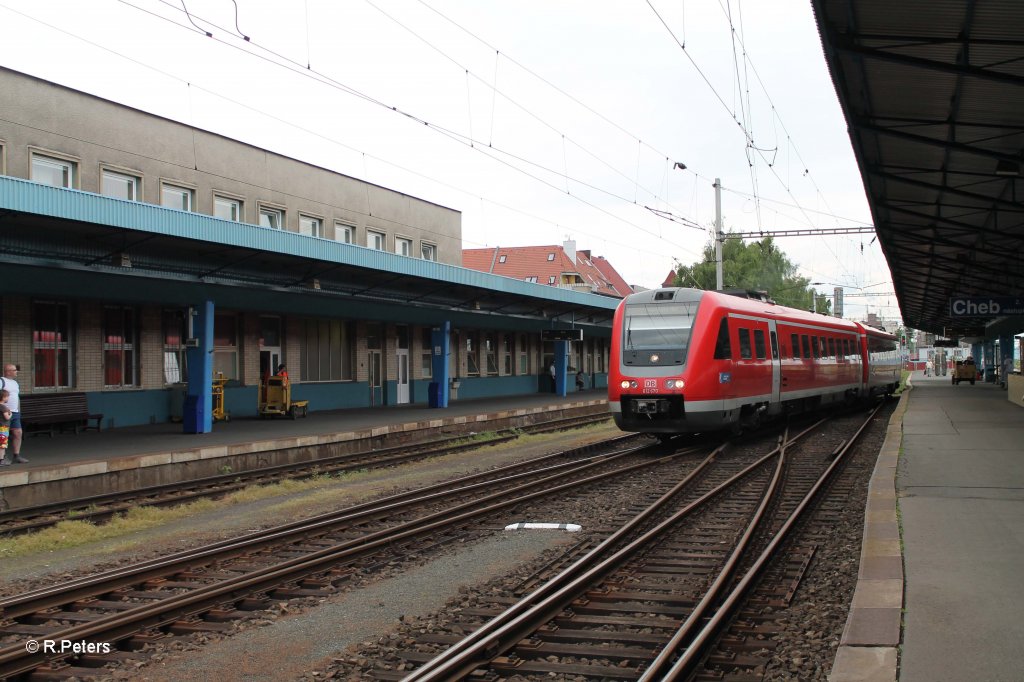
557	266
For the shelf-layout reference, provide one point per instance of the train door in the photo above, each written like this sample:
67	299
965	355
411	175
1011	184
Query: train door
402	357
776	363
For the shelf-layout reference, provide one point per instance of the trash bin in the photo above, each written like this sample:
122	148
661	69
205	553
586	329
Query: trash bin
193	415
434	394
454	393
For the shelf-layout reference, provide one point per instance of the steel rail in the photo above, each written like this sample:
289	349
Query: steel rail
663	668
89	586
511	626
102	507
15	660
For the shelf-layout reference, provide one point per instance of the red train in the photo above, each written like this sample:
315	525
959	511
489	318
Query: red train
686	361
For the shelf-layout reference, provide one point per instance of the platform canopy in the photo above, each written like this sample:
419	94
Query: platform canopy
933	93
68	243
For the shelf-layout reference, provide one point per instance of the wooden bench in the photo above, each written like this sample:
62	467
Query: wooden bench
48	412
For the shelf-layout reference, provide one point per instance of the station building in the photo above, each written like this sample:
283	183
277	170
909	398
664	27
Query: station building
136	249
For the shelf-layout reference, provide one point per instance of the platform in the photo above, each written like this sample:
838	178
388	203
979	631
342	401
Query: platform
70	465
938	596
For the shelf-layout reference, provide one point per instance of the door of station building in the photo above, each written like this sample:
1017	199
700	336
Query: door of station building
270	346
402	356
375	366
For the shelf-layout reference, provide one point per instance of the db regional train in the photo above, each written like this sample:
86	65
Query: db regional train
688	361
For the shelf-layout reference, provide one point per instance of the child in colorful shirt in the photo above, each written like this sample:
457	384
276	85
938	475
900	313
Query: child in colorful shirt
5	426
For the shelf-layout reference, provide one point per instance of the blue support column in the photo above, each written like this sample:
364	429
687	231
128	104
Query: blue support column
197	416
440	343
561	367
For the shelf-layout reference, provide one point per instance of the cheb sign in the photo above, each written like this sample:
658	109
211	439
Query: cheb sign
985	306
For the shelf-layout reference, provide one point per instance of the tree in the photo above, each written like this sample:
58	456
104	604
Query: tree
758	265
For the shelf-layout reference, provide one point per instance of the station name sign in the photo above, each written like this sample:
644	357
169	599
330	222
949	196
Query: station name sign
985	306
561	334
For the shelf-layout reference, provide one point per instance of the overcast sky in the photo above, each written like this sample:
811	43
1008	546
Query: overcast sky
539	121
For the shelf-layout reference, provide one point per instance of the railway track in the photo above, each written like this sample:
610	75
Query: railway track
652	602
200	590
101	508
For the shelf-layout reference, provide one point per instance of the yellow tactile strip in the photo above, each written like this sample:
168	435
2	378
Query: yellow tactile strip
868	651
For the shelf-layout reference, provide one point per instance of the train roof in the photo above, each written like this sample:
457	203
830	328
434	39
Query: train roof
742	304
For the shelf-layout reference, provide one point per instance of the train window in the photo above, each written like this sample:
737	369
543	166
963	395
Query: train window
806	345
723	349
663	325
775	346
814	347
824	347
759	347
745	344
794	341
831	348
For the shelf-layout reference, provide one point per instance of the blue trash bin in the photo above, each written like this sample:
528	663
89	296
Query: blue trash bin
193	416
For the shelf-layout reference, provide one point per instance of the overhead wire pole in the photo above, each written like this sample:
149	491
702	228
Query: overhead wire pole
719	280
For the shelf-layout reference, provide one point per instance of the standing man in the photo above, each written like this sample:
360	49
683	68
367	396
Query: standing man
551	371
9	383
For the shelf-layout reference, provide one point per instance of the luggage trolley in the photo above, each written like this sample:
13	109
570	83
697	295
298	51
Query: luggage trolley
218	412
276	399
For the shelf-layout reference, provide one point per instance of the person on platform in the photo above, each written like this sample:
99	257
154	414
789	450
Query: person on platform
554	384
9	383
579	380
282	371
5	427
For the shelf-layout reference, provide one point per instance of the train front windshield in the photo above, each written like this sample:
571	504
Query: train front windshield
649	326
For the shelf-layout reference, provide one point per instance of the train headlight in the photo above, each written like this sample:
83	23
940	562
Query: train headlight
624	384
674	383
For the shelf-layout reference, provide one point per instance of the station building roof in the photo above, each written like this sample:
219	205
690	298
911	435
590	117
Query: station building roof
70	243
933	94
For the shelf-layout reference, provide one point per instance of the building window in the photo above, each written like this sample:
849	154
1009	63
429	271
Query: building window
119	357
175	196
551	256
375	240
491	352
427	357
272	217
119	185
225	345
551	279
428	251
175	331
374	338
600	355
325	350
52	171
531	278
343	232
403	246
227	208
502	259
472	355
51	345
506	354
524	357
314	227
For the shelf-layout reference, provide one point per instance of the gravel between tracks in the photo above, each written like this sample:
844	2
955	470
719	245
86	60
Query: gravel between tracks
372	621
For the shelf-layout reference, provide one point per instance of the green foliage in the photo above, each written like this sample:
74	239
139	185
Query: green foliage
758	265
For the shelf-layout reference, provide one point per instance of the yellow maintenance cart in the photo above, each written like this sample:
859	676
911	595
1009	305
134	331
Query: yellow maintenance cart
219	413
276	399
